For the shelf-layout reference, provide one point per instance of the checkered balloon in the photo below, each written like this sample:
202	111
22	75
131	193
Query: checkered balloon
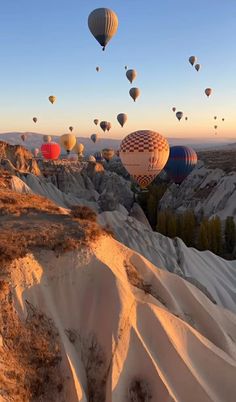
144	155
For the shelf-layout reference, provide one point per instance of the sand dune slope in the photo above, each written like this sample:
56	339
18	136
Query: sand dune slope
129	331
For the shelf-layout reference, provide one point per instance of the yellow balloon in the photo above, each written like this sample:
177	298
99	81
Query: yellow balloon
52	99
68	142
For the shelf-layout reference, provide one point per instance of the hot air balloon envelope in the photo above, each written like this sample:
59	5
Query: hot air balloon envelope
51	150
103	24
144	155
181	162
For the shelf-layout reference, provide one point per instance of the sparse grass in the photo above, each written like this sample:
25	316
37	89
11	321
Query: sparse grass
95	364
30	356
137	281
29	222
139	391
83	213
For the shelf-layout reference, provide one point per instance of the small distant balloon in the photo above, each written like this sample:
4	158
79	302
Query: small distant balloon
52	99
131	75
94	138
208	92
35	119
23	137
79	149
71	128
68	142
108	154
126	67
103	125
223	119
47	138
179	115
215	117
108	126
35	152
192	60
122	119
92	159
97	69
198	67
215	127
173	109
186	118
96	121
134	93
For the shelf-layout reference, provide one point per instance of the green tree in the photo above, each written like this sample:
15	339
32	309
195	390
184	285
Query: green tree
203	241
171	224
189	228
161	223
230	234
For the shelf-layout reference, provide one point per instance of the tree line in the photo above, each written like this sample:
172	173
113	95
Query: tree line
202	233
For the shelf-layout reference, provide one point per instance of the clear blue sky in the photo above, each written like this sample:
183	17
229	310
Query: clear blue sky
46	49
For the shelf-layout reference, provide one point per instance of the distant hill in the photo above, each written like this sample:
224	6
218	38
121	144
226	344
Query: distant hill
34	140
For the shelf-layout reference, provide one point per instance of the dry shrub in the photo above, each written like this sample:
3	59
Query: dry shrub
95	364
30	356
137	281
83	213
139	391
29	222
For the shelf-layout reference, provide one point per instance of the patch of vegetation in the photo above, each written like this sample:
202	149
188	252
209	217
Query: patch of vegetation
30	355
46	227
137	281
139	391
202	233
83	213
95	365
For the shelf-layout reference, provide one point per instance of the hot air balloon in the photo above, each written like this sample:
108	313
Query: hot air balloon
35	119
108	154
51	150
144	155
122	119
179	115
47	138
215	117
208	92
126	67
103	125
223	119
71	128
181	162
96	121
91	159
98	156
173	109
52	99
78	148
131	75
186	118
215	127
134	93
197	67
94	137
35	152
97	69
68	142
103	24
192	60
23	137
108	126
